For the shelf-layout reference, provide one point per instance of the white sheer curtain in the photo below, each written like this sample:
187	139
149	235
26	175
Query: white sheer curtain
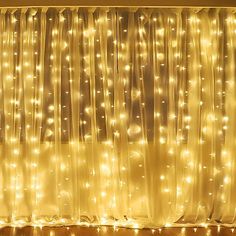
120	116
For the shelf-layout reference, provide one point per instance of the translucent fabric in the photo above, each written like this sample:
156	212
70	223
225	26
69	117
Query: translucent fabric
122	116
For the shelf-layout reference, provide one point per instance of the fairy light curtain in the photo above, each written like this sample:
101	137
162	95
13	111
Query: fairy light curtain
117	116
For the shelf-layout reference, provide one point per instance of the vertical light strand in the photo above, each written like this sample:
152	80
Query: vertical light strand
137	129
120	142
12	150
27	82
229	128
171	131
129	102
93	136
232	68
185	163
66	181
161	184
118	203
6	138
87	173
180	58
157	57
208	116
56	82
194	107
4	212
162	33
39	53
217	60
75	70
106	170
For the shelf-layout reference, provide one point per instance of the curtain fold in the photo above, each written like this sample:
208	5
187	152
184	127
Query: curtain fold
122	116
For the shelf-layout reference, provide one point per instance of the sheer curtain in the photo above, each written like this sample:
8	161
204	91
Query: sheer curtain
122	116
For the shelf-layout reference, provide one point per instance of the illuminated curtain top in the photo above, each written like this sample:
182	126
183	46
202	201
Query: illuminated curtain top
122	116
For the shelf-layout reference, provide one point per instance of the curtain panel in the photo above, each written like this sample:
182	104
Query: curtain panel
117	116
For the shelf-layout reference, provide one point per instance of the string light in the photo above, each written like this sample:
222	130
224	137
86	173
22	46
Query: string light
132	122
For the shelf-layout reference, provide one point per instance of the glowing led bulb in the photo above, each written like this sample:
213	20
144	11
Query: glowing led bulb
68	58
51	108
109	33
162	177
127	67
188	179
16	151
50	120
162	140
